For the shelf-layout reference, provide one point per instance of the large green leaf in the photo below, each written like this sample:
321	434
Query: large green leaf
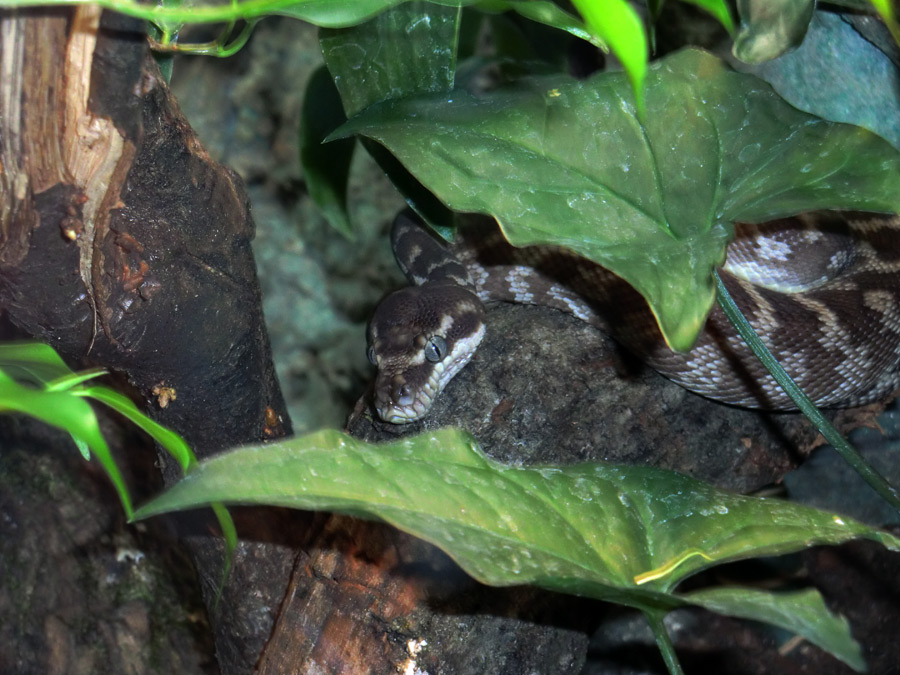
406	50
627	534
566	162
636	528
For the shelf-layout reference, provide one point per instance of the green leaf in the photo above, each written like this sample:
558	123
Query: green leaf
769	28
889	16
801	612
654	9
618	25
626	534
409	49
831	435
599	528
32	362
326	168
563	162
70	413
550	14
719	9
174	444
72	380
83	448
663	641
34	380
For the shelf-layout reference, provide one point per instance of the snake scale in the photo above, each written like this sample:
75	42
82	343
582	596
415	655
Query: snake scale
822	289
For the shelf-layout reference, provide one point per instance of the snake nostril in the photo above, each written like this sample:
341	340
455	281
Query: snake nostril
404	396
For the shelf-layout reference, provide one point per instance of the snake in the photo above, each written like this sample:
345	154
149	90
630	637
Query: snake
821	289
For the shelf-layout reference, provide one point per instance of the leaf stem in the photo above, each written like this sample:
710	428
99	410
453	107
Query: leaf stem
663	641
850	454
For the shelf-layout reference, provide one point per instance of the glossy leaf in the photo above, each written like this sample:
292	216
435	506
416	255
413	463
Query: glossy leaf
409	49
71	380
801	612
550	14
769	28
626	534
563	162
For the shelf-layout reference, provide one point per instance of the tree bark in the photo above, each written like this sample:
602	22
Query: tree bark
124	245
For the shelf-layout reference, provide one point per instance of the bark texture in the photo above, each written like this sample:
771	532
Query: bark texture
124	245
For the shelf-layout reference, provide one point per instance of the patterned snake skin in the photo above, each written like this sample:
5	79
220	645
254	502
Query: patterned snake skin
821	289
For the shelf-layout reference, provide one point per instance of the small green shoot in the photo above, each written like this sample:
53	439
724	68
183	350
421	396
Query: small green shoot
34	380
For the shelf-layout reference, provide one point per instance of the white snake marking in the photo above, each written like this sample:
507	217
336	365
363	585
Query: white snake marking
821	289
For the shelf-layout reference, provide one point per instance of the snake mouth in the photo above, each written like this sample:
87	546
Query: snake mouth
404	407
403	412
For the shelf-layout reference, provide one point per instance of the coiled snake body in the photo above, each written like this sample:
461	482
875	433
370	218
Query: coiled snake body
822	290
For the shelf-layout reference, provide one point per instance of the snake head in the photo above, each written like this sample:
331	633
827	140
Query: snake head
420	337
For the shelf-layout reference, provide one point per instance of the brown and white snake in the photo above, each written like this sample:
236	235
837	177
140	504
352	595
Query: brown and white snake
822	290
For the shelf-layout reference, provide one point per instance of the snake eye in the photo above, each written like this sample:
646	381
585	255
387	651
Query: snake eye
435	349
370	354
